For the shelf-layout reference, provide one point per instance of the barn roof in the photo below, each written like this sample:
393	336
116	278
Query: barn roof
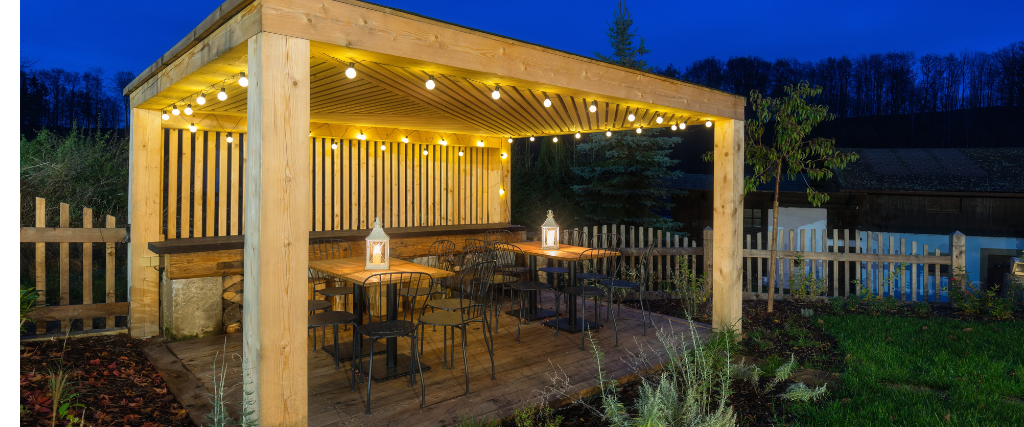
997	170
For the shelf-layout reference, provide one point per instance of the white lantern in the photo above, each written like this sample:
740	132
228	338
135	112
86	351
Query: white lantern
378	247
549	233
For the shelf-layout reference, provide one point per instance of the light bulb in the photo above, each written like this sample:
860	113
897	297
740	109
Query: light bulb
430	83
242	80
659	120
460	153
547	101
425	152
351	71
640	129
334	145
608	134
188	110
230	139
496	94
444	142
501	191
682	126
163	115
555	139
504	155
479	143
531	139
707	123
222	95
383	147
405	139
674	127
510	140
175	110
578	135
361	136
593	106
201	99
631	117
311	134
192	127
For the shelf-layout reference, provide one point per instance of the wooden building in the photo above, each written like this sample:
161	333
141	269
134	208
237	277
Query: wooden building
320	116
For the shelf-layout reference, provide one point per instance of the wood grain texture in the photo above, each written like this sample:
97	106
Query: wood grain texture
72	235
65	264
353	269
40	261
277	238
87	267
727	251
111	270
144	211
65	313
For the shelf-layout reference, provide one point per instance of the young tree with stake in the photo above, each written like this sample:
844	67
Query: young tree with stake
790	154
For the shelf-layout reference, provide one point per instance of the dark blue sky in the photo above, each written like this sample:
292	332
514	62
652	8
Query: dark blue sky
131	34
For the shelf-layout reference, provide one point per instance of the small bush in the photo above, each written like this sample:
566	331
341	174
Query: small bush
922	309
536	416
805	286
800	391
838	304
692	291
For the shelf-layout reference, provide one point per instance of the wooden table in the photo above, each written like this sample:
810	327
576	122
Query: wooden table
569	254
354	270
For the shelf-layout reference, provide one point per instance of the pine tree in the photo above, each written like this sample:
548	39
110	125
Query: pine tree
621	36
627	179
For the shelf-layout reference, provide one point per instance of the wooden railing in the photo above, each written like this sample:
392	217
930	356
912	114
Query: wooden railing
846	260
63	235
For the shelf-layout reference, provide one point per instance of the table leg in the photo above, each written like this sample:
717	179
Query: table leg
572	307
392	315
533	268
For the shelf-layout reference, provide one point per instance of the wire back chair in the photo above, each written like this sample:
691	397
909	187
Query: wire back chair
595	265
441	255
632	280
329	248
508	273
575	238
378	294
606	240
499	236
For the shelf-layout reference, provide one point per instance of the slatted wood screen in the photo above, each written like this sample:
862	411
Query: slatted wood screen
351	184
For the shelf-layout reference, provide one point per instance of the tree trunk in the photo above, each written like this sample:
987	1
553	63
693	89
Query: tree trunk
774	239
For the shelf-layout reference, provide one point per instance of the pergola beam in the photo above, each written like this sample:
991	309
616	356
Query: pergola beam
144	209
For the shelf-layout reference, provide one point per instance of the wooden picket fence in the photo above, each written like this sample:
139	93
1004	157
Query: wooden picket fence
846	261
64	235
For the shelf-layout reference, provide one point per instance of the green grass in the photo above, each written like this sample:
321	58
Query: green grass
919	376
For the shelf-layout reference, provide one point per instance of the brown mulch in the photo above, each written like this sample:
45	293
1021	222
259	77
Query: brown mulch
113	379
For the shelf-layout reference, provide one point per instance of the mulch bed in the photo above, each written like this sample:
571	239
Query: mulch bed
114	381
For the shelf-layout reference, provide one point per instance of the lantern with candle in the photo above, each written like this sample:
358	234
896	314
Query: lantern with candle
549	233
378	247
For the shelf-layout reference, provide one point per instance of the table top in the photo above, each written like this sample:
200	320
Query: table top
354	269
564	252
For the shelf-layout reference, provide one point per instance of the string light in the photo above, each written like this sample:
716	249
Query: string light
479	143
674	127
163	115
334	145
188	110
640	129
555	139
707	123
175	110
659	120
361	136
504	155
444	142
631	116
383	147
682	126
496	94
230	139
222	95
351	71
430	83
593	106
201	99
608	134
242	80
460	153
531	139
510	140
501	191
547	101
578	135
192	127
425	152
405	139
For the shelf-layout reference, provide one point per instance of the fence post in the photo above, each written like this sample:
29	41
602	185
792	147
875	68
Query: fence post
957	253
707	245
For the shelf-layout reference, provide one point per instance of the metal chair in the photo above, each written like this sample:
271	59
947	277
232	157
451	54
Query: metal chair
313	306
510	276
330	248
384	323
440	255
568	237
499	236
617	284
470	306
601	240
330	318
587	260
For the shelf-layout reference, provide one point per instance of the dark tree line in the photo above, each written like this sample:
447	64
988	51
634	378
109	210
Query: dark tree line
55	98
877	84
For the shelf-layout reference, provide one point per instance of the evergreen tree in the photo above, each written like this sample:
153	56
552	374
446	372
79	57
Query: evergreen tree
544	184
627	179
621	35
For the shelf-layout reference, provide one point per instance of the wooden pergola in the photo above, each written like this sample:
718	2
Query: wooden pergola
316	153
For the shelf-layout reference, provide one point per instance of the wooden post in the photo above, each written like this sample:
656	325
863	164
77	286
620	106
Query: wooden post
40	264
727	225
708	244
87	268
957	253
277	188
144	212
110	268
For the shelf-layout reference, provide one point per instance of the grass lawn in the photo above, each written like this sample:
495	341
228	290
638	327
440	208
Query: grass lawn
907	371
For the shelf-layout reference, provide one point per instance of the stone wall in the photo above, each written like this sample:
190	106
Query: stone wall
232	303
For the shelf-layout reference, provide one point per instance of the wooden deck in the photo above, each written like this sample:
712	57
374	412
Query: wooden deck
522	370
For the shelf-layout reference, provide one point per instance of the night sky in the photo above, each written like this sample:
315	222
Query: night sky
132	34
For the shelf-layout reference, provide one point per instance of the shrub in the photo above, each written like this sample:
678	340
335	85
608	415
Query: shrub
838	304
922	309
692	291
536	416
799	391
804	286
